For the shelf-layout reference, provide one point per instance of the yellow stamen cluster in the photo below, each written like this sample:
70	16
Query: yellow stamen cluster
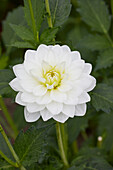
53	79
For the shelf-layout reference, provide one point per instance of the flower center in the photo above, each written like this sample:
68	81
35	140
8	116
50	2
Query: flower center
53	79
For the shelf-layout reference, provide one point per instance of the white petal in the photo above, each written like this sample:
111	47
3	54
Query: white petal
30	55
39	90
60	117
28	84
92	85
45	66
75	55
76	69
44	99
80	109
51	58
68	110
58	96
57	50
72	96
84	98
26	80
15	85
54	107
28	97
31	117
65	48
20	71
34	107
45	114
60	67
65	58
87	68
30	60
64	87
42	51
37	72
19	100
42	47
86	82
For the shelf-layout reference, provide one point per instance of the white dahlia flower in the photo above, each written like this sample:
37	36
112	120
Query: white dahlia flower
53	83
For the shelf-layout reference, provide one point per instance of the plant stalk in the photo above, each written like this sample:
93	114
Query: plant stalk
75	147
61	143
112	18
112	7
49	14
7	116
9	145
36	35
17	163
22	168
8	160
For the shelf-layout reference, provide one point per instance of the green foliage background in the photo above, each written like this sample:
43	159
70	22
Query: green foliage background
86	26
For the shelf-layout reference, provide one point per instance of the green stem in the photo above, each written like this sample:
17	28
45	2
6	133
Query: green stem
60	138
112	7
22	168
36	36
75	147
99	141
112	18
8	117
49	14
17	164
8	160
9	145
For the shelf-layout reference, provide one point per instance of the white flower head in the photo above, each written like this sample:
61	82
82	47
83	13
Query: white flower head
53	83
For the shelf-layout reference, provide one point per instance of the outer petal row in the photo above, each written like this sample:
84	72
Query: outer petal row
78	110
15	85
31	117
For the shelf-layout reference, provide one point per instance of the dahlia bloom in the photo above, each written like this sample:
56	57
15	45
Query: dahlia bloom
53	82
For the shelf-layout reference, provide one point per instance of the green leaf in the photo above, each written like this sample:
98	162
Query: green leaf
75	126
23	32
29	145
3	61
102	98
95	42
90	159
6	76
22	44
38	12
109	81
77	33
53	163
105	59
19	117
105	128
60	10
48	35
14	17
95	13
